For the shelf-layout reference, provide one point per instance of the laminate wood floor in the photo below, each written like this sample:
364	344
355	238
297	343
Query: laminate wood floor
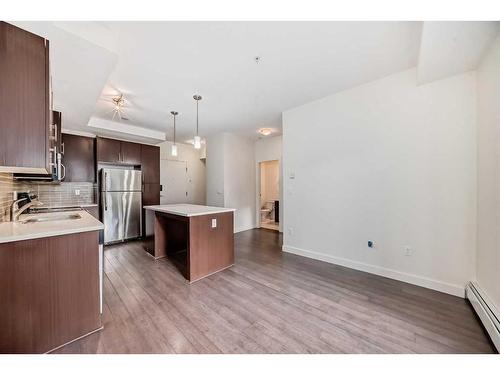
272	302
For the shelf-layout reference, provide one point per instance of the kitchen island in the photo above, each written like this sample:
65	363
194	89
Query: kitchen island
198	239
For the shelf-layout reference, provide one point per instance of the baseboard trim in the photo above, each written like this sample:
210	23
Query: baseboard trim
243	229
440	286
486	310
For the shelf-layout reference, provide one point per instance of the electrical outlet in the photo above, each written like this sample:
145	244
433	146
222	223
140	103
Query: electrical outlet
77	191
371	244
408	251
214	223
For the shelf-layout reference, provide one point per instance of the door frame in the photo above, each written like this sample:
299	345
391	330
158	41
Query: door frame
185	164
258	172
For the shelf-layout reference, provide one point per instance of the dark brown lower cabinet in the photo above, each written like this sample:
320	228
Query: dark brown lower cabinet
150	197
49	292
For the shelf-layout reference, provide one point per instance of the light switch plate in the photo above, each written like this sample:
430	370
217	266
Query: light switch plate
214	223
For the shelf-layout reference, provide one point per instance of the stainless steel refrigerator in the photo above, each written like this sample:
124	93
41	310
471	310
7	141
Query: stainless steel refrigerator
121	201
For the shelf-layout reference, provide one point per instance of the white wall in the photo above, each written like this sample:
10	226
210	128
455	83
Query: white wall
215	170
196	170
239	180
488	174
268	149
391	162
231	178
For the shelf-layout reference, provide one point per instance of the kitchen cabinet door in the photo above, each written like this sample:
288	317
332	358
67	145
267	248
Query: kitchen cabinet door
79	158
50	291
108	150
24	101
150	164
150	197
131	153
151	194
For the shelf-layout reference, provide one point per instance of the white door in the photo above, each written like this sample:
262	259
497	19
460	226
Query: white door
173	177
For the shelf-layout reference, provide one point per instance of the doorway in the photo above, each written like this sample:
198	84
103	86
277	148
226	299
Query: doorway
173	178
269	194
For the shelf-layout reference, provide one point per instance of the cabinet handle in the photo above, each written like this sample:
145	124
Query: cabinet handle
63	172
62	148
105	192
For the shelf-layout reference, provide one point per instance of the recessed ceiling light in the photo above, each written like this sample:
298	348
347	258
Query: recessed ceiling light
265	131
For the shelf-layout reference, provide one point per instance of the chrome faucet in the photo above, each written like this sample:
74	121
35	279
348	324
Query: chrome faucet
15	212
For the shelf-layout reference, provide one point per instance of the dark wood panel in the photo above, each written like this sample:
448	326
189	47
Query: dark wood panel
151	194
49	290
150	164
108	150
210	249
130	153
79	158
24	105
272	302
150	197
172	237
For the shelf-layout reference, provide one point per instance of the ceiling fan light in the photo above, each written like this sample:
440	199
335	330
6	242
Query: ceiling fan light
173	150
197	142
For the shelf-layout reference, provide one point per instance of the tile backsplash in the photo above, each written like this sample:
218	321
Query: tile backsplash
52	195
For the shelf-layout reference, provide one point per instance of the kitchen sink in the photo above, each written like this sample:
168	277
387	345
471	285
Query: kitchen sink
51	218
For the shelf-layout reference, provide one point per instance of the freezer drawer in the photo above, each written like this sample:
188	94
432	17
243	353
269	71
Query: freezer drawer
132	214
121	215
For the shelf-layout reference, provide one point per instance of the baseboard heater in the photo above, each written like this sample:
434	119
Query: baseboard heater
486	311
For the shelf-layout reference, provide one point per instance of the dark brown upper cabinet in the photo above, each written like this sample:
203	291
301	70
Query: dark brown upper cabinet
150	164
79	158
108	150
24	101
114	151
131	153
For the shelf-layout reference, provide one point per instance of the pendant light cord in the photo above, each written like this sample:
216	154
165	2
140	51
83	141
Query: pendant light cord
197	116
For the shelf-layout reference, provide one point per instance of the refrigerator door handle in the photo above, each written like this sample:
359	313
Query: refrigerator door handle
105	192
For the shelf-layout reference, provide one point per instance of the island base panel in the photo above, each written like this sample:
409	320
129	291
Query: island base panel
210	249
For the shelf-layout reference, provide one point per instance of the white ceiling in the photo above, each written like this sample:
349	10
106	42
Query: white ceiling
158	66
450	48
162	64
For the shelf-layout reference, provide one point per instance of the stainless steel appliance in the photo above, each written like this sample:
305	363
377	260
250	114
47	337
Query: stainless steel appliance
121	200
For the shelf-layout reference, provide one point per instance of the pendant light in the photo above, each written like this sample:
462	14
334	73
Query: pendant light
173	150
197	139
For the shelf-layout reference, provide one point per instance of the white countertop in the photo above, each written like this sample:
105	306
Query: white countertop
188	209
18	231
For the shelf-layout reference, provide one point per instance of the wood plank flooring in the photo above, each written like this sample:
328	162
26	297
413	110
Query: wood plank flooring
272	302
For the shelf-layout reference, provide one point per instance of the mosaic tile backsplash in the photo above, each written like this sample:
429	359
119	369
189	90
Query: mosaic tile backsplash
51	195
